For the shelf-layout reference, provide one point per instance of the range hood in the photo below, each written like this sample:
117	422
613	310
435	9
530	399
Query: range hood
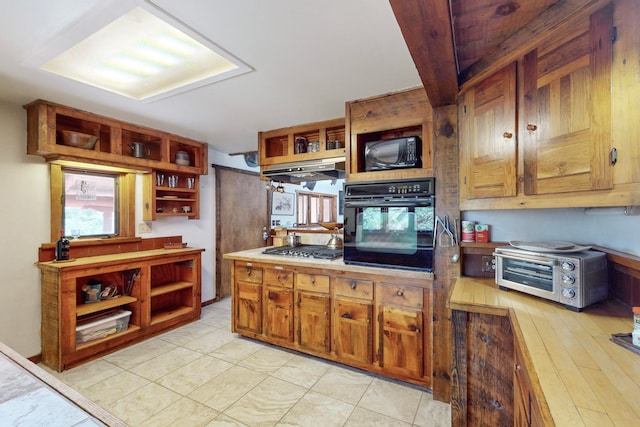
311	170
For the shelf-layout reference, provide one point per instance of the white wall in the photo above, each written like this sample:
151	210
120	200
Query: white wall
617	232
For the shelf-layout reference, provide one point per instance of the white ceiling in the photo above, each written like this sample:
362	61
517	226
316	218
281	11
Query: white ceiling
309	57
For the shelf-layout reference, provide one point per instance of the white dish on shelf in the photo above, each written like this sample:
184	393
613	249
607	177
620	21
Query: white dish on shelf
169	197
551	246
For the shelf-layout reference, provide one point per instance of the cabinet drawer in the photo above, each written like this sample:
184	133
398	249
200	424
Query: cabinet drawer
401	295
312	282
247	273
279	278
355	288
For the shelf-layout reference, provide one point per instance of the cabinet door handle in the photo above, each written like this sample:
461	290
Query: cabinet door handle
347	316
400	292
271	295
249	271
532	127
354	284
414	328
507	135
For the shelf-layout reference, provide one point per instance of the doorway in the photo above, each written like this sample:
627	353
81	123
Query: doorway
241	213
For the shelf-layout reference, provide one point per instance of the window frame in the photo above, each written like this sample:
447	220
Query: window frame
125	204
320	196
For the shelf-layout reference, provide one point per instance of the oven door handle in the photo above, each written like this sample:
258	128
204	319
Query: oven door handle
404	203
529	258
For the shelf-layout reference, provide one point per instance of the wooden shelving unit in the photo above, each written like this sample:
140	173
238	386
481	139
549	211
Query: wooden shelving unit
163	200
115	138
165	293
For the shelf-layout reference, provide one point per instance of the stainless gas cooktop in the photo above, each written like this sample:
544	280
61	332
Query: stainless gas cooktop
305	251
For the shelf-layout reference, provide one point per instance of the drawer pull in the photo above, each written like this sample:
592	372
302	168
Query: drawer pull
414	328
532	127
354	284
400	292
346	316
271	295
507	135
249	270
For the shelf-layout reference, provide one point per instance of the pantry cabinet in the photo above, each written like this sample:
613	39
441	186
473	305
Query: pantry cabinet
159	289
393	115
560	152
378	322
116	141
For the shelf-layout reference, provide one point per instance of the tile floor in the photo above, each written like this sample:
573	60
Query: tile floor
204	375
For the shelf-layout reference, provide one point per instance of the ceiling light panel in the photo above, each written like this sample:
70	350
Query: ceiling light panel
141	56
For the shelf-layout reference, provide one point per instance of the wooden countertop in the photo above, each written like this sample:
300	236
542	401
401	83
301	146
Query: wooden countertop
256	255
31	396
105	259
586	379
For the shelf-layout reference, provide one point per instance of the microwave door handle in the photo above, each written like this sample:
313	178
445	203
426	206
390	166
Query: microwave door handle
530	258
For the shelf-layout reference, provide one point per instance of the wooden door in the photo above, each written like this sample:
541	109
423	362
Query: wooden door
401	341
241	214
313	322
352	334
488	137
566	116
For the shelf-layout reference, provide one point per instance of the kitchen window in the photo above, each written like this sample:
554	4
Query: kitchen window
91	202
314	208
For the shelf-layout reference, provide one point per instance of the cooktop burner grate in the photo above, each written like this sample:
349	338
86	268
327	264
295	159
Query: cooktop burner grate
305	251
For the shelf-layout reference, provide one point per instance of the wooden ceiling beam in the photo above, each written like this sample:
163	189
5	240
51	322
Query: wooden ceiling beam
520	42
426	28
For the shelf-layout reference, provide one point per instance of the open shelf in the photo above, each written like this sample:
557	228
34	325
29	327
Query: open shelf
94	307
170	287
130	330
164	315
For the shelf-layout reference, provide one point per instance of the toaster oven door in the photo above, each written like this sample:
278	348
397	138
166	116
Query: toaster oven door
529	274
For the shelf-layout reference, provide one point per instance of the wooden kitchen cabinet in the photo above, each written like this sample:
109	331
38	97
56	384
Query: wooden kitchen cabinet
278	146
353	319
487	131
313	305
247	301
160	199
401	328
165	293
563	132
393	115
278	304
527	403
46	119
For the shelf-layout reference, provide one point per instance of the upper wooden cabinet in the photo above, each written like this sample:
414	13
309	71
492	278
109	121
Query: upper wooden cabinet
566	110
560	153
487	132
393	115
46	120
278	146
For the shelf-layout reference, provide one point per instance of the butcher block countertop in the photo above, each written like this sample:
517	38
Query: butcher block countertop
256	255
585	378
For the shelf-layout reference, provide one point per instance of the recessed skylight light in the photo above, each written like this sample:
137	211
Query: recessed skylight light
141	56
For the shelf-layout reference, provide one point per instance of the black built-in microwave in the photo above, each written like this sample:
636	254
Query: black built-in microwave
395	153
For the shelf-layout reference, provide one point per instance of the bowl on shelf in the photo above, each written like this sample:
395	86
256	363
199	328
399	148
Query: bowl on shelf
331	225
78	139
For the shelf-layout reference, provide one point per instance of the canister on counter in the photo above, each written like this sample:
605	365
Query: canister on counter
468	231
482	233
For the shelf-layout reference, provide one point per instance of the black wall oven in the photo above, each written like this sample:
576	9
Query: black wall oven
390	224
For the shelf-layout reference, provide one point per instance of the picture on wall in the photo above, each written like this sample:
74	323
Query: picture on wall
282	203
